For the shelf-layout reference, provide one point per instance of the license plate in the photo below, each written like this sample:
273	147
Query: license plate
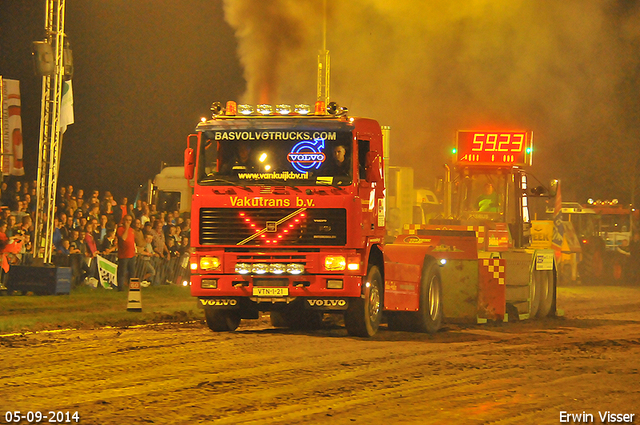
270	292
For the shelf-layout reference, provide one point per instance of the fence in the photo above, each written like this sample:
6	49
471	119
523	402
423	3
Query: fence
173	271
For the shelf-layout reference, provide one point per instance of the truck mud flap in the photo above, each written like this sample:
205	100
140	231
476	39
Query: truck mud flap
326	303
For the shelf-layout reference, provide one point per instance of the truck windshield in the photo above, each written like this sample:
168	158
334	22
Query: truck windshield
287	157
483	196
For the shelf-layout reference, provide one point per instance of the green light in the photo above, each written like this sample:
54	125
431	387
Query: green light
529	150
454	150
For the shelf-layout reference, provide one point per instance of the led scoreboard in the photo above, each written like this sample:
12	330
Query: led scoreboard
499	148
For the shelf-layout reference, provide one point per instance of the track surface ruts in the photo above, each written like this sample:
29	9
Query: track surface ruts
515	373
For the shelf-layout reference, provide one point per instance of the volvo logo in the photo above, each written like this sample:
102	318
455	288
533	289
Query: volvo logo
307	155
219	302
332	304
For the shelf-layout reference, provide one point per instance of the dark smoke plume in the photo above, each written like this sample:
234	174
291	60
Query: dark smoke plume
568	70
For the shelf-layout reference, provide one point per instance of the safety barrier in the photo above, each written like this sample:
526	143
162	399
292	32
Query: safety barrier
165	272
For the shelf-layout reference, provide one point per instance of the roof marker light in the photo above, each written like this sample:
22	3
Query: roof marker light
283	109
302	109
245	109
231	108
265	109
321	109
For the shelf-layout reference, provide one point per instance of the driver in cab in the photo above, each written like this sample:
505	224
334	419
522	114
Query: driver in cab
488	200
339	162
241	162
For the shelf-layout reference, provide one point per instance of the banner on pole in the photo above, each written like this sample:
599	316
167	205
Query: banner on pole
12	163
66	107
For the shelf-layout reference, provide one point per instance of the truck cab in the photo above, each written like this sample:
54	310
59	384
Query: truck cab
288	214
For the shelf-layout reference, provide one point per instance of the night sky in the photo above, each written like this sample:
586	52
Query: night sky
146	71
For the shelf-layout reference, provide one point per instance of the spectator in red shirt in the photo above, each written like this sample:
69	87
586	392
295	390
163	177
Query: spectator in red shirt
126	253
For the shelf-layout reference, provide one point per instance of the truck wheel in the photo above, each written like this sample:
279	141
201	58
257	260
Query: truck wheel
222	320
545	292
364	314
429	316
534	294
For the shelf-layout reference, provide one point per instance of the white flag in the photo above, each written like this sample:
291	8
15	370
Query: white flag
108	272
66	107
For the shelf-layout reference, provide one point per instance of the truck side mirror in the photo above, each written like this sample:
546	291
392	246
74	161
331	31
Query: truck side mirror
189	163
190	157
373	167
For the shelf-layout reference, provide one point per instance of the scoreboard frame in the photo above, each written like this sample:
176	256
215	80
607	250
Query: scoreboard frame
494	148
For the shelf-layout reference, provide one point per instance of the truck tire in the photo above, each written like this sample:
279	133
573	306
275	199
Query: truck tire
222	320
364	314
534	295
429	316
545	291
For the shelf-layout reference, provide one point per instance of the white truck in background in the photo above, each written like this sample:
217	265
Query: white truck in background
407	204
170	191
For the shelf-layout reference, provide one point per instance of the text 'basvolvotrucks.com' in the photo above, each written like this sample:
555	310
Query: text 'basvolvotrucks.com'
288	216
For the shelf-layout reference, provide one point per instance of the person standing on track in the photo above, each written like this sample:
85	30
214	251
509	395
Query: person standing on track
126	253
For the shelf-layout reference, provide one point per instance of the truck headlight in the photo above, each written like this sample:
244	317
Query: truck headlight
209	263
243	268
295	268
277	268
335	262
259	268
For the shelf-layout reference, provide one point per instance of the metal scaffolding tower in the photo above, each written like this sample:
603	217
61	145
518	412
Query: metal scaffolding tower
50	136
324	65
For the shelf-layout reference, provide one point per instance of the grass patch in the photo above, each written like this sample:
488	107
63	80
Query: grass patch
86	307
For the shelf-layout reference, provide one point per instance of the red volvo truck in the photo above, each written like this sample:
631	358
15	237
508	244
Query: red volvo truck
288	216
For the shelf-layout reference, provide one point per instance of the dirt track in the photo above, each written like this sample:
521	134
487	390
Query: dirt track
515	373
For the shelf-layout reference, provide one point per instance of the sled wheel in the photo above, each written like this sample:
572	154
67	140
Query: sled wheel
364	314
545	292
534	294
429	316
222	320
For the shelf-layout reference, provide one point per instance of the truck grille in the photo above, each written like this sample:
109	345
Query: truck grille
273	226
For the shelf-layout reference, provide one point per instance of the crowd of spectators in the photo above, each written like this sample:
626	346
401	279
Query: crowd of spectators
85	226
